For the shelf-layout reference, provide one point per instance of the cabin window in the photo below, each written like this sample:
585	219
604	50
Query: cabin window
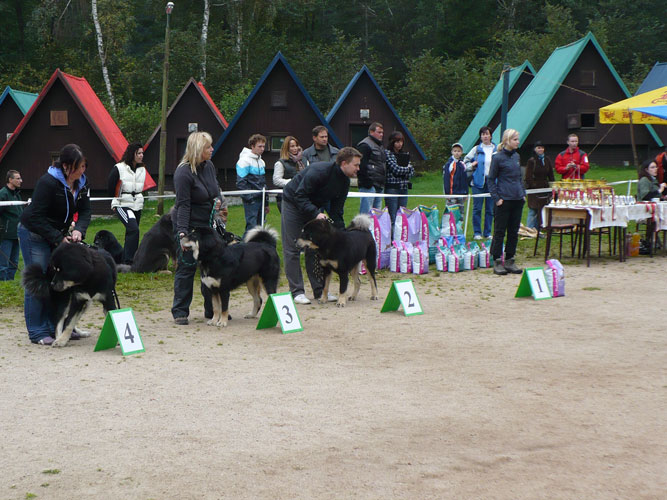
277	142
9	134
59	119
587	120
588	78
278	98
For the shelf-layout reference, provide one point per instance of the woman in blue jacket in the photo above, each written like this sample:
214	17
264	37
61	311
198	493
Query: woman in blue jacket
507	193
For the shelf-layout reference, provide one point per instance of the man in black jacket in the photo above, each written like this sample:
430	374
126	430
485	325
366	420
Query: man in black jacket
9	219
373	169
322	185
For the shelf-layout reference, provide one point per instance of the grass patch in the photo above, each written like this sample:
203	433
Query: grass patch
51	471
591	288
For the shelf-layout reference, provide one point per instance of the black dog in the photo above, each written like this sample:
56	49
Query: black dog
254	262
156	248
76	275
107	241
342	251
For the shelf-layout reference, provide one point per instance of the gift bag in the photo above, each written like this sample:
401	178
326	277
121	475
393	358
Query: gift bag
381	230
484	257
441	254
405	257
555	274
465	257
453	262
455	240
474	249
452	221
407	226
420	258
394	253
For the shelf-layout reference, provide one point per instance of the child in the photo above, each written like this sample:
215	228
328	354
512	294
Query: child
454	177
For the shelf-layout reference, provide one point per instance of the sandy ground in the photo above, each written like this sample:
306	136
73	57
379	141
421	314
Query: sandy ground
483	397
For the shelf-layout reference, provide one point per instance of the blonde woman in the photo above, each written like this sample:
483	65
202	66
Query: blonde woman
290	163
197	196
508	194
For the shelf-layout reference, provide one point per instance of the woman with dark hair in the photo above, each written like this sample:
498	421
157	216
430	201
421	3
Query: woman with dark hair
126	184
197	200
399	173
539	172
507	193
45	224
648	187
290	163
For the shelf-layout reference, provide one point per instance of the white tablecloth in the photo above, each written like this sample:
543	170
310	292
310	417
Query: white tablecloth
620	215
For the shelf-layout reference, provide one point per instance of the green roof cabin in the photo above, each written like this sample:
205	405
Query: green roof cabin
564	98
14	104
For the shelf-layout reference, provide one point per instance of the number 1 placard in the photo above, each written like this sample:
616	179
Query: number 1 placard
280	307
402	293
120	327
534	282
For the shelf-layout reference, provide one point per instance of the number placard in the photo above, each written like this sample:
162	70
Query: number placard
534	282
120	327
280	308
403	293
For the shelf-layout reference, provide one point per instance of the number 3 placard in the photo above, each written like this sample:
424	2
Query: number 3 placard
280	307
402	293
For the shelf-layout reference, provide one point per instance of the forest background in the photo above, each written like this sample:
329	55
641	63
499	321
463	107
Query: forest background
436	60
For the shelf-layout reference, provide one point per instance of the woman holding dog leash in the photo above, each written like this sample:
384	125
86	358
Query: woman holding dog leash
45	224
197	199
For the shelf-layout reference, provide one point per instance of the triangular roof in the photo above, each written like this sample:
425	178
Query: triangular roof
491	106
655	79
22	99
207	98
278	59
348	89
91	107
529	108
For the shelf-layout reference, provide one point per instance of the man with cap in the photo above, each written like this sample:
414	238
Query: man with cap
454	177
539	172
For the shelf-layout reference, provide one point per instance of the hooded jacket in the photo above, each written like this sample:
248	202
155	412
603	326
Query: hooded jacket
250	174
504	180
9	214
53	207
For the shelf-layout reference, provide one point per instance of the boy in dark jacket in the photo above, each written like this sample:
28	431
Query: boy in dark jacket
454	177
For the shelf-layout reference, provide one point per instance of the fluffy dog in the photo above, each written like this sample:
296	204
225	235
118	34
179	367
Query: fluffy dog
156	248
107	241
254	262
76	275
342	251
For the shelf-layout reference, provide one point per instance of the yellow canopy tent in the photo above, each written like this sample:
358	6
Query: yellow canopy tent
649	108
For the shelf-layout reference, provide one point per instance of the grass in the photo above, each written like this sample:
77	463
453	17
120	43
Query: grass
134	287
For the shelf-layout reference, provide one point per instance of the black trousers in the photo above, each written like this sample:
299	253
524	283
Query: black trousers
184	279
130	219
507	220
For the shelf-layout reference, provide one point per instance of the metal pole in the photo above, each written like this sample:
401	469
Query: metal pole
163	121
506	91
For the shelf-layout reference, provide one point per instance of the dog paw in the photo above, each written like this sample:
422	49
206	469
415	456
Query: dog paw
321	301
340	303
210	322
250	316
221	324
59	343
351	298
374	297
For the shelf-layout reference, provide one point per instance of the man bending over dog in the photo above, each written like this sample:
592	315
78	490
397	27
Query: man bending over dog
321	184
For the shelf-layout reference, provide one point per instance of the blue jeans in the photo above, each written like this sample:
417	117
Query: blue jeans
9	259
38	313
253	213
367	203
477	204
392	203
533	219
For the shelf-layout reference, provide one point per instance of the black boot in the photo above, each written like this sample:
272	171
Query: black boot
510	267
498	267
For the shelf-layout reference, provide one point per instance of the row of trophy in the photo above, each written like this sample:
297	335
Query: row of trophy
586	193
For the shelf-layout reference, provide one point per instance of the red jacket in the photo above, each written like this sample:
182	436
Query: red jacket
661	161
578	157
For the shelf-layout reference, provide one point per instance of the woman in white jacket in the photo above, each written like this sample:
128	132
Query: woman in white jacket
126	184
290	163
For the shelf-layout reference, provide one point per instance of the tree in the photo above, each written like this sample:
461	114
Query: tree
102	54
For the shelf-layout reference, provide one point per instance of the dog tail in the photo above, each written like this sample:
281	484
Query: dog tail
361	221
123	268
36	282
261	234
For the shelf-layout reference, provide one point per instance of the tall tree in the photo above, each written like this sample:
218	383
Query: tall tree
103	58
203	39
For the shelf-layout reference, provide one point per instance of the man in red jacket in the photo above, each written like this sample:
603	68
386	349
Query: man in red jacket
573	162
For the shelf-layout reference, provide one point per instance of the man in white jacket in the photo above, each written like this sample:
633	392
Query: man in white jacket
250	175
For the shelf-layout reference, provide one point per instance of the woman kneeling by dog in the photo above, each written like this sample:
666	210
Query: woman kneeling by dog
45	223
197	197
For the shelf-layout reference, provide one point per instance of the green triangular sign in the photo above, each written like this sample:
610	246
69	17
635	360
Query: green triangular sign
280	308
402	293
533	283
120	327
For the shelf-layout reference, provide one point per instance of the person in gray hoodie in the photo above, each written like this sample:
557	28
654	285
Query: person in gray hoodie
251	175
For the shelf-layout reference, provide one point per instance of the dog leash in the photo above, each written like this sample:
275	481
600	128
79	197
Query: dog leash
115	296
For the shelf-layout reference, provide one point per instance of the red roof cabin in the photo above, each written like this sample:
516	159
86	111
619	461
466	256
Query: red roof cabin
192	110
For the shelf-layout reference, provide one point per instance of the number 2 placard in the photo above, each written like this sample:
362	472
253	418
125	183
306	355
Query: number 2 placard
403	293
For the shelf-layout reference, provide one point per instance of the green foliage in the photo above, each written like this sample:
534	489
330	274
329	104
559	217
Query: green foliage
138	120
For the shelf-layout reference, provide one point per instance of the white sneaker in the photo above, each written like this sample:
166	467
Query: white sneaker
478	237
301	299
331	297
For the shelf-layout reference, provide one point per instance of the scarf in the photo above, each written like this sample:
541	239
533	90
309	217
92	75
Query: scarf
297	160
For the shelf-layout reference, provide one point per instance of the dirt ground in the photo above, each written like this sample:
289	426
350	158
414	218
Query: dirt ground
483	397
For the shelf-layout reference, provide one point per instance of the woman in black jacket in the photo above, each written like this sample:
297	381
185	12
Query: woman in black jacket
45	224
507	192
197	199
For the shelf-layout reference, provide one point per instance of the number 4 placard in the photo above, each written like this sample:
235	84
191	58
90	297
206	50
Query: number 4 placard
280	307
533	282
120	326
402	293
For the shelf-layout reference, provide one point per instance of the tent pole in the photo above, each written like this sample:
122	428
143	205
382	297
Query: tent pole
632	140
